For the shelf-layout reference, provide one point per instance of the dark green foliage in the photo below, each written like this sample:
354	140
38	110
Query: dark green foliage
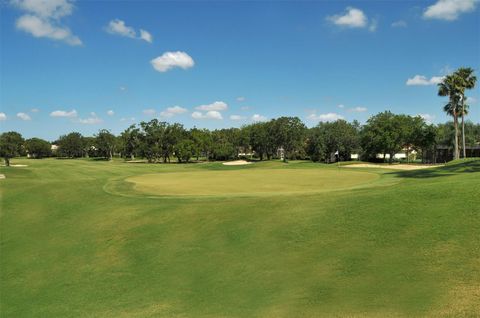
105	144
71	145
38	148
11	144
327	138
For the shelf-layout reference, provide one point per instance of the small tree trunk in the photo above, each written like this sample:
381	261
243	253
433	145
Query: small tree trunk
7	161
455	123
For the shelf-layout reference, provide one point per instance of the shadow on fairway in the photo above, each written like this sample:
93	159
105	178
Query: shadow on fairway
453	168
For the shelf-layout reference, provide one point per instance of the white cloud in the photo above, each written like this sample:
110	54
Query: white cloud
172	111
218	106
358	109
119	27
325	117
341	106
237	117
93	120
63	113
146	36
149	111
47	9
123	88
399	24
3	116
427	117
258	118
352	18
110	112
23	116
245	107
212	114
127	119
420	80
240	99
449	10
169	60
43	19
39	28
34	110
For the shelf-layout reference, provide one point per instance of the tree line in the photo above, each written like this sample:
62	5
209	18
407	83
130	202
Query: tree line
285	137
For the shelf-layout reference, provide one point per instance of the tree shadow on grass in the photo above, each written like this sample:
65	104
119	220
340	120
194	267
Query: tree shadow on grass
453	168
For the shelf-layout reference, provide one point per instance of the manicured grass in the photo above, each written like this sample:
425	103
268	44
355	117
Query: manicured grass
77	240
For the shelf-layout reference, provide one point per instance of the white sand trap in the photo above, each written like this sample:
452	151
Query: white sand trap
237	163
16	166
2	176
394	166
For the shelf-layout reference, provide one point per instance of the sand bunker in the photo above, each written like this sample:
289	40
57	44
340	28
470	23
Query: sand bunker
237	163
2	176
395	167
16	166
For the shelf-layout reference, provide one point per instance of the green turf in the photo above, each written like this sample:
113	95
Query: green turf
79	240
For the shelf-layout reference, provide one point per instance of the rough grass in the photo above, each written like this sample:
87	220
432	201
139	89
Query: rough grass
406	245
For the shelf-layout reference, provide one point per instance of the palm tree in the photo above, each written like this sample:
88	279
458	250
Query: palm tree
468	80
450	86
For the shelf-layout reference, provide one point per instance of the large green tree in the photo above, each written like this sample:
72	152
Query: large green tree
11	144
289	133
38	148
71	145
105	144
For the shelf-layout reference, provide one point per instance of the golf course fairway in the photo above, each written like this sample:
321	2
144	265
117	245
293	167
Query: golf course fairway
92	238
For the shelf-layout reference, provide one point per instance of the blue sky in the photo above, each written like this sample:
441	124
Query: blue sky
85	65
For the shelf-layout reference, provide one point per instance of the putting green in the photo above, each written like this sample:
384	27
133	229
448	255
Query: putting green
248	182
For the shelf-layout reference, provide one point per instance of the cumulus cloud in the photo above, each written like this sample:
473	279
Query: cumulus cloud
110	112
212	114
92	120
43	19
358	109
449	10
63	113
3	116
149	111
169	60
399	24
218	106
258	118
146	36
325	117
23	116
172	111
34	110
237	117
119	27
240	99
245	107
427	117
420	80
352	18
39	28
341	106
